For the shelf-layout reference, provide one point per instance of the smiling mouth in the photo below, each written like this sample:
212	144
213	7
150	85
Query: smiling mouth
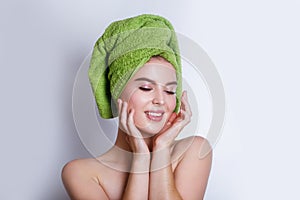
154	115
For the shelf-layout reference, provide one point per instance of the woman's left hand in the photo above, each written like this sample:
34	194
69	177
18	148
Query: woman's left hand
174	125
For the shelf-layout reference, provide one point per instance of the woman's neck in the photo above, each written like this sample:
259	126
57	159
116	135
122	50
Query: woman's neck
122	143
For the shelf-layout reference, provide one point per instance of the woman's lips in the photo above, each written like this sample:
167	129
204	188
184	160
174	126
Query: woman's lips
154	115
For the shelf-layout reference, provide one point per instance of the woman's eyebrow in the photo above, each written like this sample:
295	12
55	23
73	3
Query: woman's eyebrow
172	83
145	79
153	82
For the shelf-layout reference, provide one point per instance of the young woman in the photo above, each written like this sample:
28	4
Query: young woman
146	161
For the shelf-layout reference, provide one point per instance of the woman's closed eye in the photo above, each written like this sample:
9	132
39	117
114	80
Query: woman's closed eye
146	89
170	92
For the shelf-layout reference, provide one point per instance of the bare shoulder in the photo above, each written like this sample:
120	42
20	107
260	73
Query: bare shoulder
194	146
193	169
80	167
80	179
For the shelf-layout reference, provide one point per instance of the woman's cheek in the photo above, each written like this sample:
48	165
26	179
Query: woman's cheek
172	104
136	102
139	121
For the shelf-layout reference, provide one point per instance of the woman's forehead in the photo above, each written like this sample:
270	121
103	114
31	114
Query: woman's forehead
160	60
159	72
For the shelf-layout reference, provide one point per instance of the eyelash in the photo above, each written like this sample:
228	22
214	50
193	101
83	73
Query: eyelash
145	89
170	92
149	89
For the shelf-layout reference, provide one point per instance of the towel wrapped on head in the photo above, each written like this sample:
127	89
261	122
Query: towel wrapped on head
125	46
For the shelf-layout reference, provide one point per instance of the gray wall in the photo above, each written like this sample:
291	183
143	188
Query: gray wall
254	45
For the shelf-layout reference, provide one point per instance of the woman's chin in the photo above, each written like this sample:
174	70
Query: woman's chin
149	132
149	128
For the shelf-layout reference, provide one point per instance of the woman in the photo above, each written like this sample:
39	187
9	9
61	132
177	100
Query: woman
136	68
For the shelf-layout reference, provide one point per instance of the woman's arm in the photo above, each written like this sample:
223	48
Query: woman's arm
162	182
138	180
137	184
192	172
79	184
190	177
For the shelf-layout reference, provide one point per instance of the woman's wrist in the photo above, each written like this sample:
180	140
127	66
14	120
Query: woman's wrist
140	162
162	148
160	158
161	145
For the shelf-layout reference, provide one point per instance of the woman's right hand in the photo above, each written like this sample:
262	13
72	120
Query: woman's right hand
126	123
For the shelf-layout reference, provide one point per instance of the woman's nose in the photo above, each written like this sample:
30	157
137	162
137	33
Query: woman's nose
158	97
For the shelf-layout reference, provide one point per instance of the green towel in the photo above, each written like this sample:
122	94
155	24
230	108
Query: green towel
125	46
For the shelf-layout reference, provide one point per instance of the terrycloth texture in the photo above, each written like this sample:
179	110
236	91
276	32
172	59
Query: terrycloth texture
125	46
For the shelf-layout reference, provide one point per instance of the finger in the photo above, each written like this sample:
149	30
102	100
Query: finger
123	117
181	121
166	126
172	118
119	106
131	126
185	104
185	117
169	122
171	132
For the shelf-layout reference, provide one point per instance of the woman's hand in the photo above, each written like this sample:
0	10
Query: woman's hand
126	124
174	125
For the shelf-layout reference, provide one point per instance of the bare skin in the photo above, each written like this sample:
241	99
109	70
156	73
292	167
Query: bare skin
146	161
91	179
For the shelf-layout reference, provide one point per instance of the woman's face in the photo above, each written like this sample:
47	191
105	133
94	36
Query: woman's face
151	92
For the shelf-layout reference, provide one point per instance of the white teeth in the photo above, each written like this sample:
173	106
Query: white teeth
154	114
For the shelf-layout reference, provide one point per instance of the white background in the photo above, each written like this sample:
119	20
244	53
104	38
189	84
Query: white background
255	46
